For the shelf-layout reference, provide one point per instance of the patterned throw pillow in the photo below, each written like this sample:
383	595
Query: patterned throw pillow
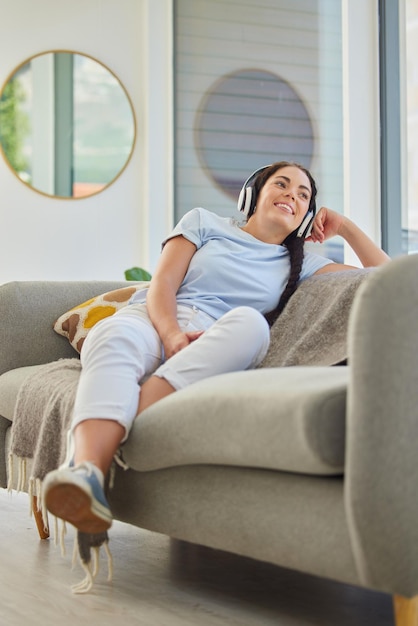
76	323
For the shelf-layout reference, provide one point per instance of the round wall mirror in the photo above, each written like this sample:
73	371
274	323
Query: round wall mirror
247	119
67	125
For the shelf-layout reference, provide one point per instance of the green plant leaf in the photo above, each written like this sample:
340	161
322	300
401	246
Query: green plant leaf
137	273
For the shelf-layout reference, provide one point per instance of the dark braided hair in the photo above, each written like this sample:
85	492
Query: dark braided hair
294	244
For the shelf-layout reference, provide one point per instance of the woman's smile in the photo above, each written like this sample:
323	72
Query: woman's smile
285	207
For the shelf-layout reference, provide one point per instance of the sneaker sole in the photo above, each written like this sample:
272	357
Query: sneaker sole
72	504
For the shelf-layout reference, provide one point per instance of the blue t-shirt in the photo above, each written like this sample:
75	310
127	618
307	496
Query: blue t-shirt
232	268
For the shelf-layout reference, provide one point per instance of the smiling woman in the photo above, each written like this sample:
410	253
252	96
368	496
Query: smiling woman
246	117
282	206
216	282
67	126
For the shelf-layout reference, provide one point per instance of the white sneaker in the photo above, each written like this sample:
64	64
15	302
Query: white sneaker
76	495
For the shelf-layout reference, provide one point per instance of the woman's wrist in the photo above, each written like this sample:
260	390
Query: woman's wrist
168	331
369	253
346	228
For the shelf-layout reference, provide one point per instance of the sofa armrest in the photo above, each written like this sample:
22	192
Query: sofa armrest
382	428
27	313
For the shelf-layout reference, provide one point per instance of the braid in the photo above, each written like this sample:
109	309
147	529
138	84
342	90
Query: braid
295	245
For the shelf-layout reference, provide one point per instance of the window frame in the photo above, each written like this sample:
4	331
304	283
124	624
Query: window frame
391	185
361	119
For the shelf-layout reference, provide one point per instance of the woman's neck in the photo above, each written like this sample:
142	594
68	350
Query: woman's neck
267	235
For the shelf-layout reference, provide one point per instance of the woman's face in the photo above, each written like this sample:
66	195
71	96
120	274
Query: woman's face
284	199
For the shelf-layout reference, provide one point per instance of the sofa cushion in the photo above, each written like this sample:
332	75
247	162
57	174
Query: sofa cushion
10	383
290	419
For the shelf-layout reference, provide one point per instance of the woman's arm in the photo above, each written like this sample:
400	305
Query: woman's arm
161	298
328	223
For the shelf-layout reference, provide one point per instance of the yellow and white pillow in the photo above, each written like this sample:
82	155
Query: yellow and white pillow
76	323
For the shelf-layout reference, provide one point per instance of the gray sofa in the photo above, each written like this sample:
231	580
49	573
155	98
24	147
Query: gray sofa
311	468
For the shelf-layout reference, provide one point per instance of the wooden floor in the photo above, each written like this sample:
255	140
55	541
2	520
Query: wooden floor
160	582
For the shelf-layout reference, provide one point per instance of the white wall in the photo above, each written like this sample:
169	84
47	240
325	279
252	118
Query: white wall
43	238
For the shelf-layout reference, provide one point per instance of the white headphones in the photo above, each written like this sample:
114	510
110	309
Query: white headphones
246	193
305	228
245	200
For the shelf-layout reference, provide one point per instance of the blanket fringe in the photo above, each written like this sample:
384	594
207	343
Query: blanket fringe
62	538
33	487
60	532
117	460
87	583
32	493
39	444
91	569
35	491
21	482
10	473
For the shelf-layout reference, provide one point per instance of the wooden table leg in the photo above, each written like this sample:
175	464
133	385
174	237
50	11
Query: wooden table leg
406	611
41	524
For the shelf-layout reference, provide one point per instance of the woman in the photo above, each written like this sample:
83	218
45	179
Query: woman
216	282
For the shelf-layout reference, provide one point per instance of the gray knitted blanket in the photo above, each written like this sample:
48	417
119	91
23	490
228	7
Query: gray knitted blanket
40	426
42	416
312	329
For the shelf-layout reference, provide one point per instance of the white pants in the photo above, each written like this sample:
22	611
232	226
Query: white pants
122	350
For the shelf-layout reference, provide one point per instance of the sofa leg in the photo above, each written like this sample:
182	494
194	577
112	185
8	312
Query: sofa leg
42	526
406	611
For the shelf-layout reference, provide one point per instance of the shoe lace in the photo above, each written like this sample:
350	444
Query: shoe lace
88	467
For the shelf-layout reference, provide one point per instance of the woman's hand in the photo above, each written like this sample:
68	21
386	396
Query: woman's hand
327	223
179	340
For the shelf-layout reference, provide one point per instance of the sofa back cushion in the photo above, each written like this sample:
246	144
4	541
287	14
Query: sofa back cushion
28	310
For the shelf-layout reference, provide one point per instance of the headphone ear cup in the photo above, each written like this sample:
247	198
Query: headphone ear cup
241	199
248	200
244	200
305	228
246	194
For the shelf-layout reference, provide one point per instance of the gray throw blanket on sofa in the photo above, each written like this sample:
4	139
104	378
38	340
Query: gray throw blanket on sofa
42	415
39	432
312	329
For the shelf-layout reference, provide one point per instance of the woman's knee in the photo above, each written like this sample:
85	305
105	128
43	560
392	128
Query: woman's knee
248	335
249	320
248	327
